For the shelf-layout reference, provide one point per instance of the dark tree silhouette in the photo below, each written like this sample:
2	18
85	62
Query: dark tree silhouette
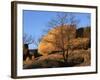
26	41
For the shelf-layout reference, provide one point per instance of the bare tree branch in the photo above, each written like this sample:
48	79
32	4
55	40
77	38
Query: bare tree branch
27	39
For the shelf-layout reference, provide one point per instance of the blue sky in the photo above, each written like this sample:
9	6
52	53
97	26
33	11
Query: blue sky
35	22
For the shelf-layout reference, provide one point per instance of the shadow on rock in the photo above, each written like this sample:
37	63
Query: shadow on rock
73	62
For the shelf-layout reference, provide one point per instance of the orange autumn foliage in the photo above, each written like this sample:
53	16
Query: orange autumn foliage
53	40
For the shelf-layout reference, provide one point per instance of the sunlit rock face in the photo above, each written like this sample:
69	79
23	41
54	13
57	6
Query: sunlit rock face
80	43
52	41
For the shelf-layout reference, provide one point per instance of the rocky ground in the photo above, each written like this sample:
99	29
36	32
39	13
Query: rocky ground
76	58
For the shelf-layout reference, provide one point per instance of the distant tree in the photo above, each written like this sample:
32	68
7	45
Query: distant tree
27	39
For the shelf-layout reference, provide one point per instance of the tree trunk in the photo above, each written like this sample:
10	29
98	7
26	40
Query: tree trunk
64	56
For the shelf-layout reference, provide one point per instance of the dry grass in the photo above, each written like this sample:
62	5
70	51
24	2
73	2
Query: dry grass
86	54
